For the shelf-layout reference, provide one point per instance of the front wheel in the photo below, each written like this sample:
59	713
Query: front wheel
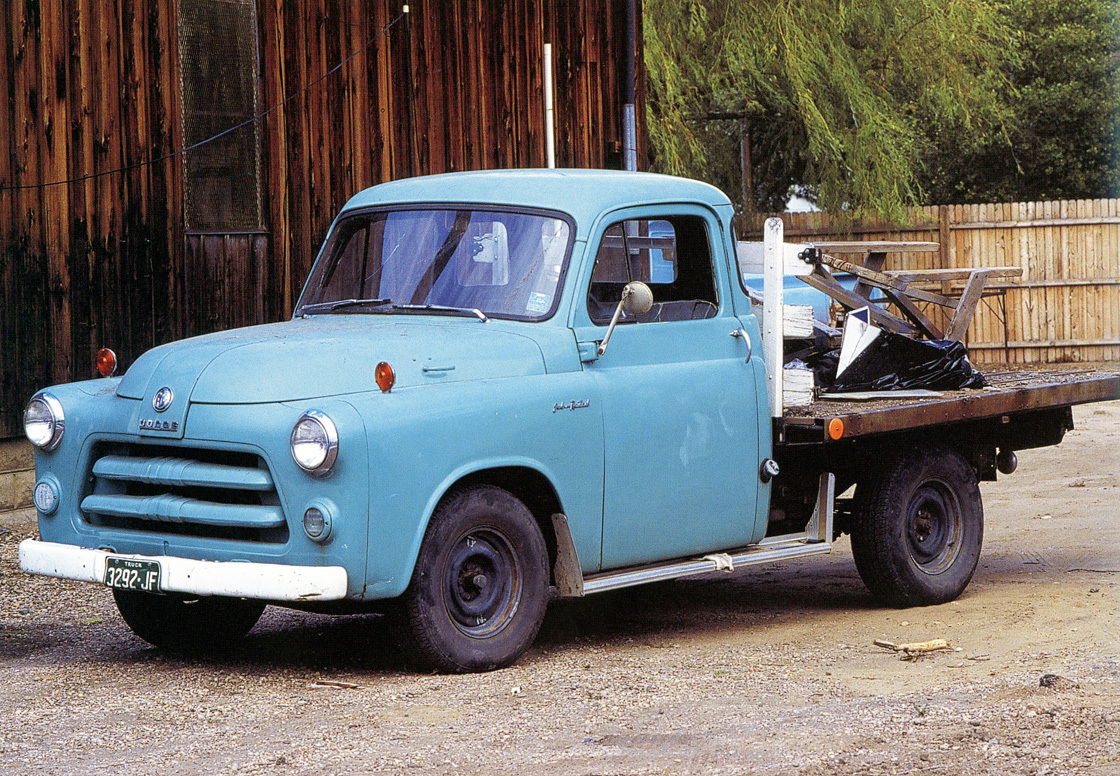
919	529
480	588
187	625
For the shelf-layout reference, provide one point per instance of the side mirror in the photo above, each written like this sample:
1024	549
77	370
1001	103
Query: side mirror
637	299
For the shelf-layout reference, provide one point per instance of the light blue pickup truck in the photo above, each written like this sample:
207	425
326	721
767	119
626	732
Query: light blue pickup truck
498	388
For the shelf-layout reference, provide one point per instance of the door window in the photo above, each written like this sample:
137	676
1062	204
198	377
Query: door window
672	255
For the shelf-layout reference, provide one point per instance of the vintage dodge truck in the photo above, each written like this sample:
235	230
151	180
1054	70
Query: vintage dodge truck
497	388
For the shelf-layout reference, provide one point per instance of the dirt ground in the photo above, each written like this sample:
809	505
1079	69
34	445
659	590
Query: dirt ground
771	671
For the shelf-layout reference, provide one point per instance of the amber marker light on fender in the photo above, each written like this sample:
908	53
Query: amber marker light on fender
385	376
835	428
106	362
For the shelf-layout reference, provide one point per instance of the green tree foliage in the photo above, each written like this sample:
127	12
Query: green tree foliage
1063	140
833	93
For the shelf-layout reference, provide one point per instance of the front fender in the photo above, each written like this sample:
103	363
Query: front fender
423	441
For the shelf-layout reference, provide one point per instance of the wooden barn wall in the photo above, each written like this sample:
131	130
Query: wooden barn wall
1066	306
86	91
91	92
453	85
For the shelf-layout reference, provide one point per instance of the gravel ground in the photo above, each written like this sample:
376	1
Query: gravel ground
772	671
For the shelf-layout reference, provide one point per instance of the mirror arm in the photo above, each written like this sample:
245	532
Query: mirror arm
614	320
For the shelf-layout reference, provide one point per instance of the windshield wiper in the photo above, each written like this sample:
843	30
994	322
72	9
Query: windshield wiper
438	308
319	307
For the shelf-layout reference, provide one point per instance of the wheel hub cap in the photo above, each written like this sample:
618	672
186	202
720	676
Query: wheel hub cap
482	583
934	527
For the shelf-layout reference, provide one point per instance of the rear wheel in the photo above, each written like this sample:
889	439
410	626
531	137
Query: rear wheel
187	625
920	528
478	595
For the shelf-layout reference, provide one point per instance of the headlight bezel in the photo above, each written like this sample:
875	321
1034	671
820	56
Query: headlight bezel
56	422
320	464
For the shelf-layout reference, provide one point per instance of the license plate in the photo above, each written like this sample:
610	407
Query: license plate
126	574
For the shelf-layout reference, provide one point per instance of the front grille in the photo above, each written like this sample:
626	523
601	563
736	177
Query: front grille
184	491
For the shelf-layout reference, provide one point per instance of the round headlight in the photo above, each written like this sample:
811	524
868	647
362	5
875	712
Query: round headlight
315	443
43	421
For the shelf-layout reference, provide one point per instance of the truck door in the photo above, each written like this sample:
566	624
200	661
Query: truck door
675	390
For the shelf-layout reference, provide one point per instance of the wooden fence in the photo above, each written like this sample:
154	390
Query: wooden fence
1064	308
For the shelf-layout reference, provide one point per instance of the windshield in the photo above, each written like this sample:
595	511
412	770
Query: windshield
498	263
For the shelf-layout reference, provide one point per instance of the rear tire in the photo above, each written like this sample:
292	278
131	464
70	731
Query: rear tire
920	528
480	588
187	625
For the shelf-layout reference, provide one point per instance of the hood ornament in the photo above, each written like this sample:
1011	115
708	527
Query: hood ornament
163	398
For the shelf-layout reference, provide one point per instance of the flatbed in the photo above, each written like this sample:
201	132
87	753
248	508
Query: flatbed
1011	390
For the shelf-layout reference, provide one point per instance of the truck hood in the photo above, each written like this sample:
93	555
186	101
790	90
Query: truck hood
328	356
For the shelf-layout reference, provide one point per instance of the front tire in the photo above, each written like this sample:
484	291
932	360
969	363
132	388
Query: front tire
187	625
920	528
480	588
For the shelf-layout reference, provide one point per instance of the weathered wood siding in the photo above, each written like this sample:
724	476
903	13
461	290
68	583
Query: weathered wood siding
92	86
1065	307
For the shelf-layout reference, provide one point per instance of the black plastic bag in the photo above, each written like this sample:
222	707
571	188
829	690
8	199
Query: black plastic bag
894	362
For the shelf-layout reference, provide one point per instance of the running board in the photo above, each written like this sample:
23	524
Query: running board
816	540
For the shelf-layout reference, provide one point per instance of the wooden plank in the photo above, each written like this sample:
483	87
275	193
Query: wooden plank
942	275
1051	343
913	313
241	307
275	152
1018	325
877	246
827	284
21	362
260	249
1034	270
1047	221
54	124
879	280
874	261
1111	249
966	307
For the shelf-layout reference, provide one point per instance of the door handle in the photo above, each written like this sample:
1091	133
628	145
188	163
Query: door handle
746	338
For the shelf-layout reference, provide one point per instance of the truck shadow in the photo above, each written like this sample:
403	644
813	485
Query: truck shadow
700	608
706	607
703	608
805	594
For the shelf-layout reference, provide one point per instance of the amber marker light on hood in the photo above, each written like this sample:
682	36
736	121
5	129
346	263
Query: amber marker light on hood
385	376
106	362
835	428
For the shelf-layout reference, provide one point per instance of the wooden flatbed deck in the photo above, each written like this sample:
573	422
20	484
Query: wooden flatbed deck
1011	390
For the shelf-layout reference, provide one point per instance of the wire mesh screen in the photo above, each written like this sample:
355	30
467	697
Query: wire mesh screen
218	71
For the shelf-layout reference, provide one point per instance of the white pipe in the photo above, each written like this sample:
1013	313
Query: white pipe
773	340
549	119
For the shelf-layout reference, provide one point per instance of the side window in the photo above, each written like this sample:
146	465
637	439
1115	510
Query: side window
672	255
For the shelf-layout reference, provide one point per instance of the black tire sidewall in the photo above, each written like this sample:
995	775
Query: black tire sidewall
430	638
881	546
